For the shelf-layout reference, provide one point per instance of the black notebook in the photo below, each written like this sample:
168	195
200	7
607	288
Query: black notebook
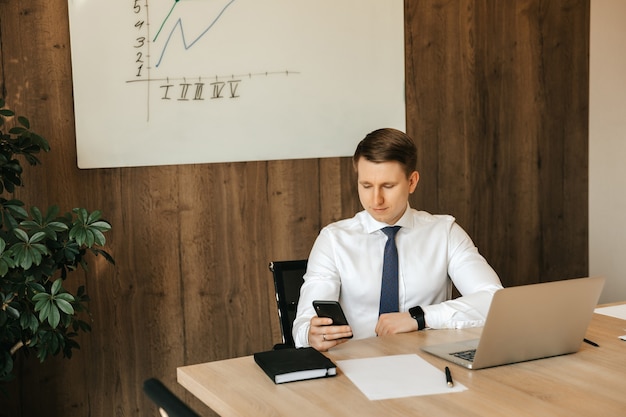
287	365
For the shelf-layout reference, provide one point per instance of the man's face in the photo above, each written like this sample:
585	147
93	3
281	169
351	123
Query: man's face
384	189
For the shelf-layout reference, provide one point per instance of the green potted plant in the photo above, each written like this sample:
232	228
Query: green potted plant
37	251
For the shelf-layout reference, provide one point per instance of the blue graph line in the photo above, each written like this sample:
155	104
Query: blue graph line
179	24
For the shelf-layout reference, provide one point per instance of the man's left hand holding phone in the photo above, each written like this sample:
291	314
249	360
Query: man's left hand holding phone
330	327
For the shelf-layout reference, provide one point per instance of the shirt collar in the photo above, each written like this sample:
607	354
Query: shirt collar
371	225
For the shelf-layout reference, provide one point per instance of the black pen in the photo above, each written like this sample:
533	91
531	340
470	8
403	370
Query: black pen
591	342
449	378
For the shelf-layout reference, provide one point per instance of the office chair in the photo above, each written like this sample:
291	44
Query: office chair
169	404
287	282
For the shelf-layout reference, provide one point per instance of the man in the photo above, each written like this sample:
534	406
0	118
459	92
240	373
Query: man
349	258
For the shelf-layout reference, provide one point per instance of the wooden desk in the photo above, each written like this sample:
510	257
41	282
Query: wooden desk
587	383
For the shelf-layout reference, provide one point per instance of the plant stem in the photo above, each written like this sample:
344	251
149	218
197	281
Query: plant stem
18	346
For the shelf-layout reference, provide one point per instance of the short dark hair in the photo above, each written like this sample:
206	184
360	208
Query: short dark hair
386	145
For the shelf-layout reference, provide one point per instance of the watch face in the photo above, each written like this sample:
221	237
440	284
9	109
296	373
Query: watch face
418	314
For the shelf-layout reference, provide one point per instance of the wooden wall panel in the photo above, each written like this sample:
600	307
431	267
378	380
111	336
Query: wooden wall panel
496	97
294	208
502	132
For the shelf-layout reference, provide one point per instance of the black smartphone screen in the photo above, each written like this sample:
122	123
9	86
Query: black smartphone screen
330	309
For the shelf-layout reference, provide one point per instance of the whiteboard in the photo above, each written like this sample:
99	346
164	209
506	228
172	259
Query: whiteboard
161	82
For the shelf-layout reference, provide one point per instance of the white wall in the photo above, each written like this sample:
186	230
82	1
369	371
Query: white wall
607	147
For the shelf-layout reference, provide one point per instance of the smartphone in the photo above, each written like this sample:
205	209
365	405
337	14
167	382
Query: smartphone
330	309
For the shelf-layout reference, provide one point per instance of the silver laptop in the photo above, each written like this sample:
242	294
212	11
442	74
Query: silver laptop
529	322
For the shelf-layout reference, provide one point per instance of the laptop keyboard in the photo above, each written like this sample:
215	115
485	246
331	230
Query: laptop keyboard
468	355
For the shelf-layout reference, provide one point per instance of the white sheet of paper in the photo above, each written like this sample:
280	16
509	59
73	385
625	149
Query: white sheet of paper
618	311
397	376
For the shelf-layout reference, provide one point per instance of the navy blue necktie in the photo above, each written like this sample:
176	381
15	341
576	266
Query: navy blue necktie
389	287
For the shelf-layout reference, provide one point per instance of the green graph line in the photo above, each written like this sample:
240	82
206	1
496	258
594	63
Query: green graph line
165	20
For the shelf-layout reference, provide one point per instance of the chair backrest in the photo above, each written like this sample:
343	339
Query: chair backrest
287	282
168	403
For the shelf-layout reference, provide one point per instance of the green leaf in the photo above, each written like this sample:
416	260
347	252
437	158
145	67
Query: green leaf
101	225
13	312
75	231
29	321
52	212
24	256
106	255
23	121
41	248
54	316
58	226
40	141
44	309
29	224
43	305
18	130
7	361
65	296
35	286
40	296
56	286
81	215
64	306
90	240
82	325
4	267
94	216
35	255
36	213
98	237
37	237
16	211
21	235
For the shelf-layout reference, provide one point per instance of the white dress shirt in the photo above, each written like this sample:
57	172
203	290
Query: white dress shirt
346	264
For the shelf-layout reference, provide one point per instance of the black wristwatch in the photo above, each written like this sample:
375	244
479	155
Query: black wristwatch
418	314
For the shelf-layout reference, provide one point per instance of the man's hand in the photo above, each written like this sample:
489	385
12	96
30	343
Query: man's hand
392	323
323	336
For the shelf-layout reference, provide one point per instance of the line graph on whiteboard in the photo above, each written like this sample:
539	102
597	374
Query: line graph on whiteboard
162	82
176	31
